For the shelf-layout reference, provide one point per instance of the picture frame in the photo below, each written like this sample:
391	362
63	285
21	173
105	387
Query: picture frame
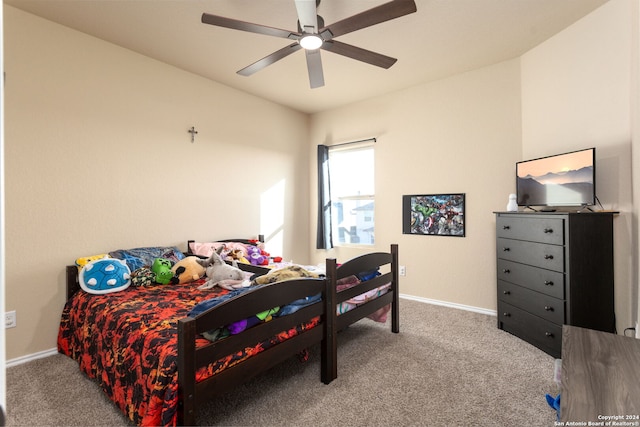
434	214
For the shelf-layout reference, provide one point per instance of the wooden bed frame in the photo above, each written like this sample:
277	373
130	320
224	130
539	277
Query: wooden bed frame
190	358
355	266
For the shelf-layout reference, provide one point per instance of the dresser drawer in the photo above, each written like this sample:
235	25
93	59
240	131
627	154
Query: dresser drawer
538	279
542	230
549	308
545	335
541	255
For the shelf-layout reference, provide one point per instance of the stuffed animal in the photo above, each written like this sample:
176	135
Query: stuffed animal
238	255
105	275
143	277
257	256
187	270
218	271
81	262
289	272
161	267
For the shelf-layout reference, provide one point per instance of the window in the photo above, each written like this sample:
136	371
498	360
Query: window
352	194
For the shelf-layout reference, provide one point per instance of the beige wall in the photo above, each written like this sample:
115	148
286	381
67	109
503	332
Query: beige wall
98	158
457	135
576	93
3	373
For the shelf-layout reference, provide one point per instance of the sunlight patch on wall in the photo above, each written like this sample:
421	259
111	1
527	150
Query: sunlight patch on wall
272	218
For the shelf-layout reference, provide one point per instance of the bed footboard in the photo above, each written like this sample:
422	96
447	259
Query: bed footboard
387	262
192	358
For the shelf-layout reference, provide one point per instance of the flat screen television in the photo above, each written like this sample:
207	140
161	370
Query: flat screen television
561	180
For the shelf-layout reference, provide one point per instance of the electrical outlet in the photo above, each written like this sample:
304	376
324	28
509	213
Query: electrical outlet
10	319
403	270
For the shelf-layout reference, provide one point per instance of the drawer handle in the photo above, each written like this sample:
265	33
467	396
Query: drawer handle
548	230
506	271
548	308
506	249
506	227
548	334
548	257
548	283
506	292
506	314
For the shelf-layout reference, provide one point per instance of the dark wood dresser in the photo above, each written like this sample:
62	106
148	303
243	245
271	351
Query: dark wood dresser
554	269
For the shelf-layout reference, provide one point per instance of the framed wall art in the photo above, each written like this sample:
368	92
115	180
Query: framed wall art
434	214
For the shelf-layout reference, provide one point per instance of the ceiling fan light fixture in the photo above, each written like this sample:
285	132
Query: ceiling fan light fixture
311	42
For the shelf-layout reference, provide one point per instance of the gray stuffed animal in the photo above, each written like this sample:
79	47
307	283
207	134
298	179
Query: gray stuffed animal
220	273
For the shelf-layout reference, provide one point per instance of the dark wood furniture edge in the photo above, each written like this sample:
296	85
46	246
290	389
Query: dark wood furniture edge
600	376
73	285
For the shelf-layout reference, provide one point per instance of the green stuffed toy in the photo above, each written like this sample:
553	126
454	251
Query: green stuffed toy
162	269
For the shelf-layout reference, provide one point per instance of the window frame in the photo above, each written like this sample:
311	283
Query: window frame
366	238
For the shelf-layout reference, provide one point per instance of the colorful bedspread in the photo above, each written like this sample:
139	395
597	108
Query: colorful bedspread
127	342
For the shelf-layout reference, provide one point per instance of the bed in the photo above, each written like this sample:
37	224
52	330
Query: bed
151	358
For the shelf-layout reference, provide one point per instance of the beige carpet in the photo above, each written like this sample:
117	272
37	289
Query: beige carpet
447	367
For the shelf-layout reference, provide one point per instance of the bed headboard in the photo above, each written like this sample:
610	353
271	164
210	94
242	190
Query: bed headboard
73	285
243	241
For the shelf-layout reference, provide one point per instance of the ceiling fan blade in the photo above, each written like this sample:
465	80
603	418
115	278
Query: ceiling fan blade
307	15
269	59
384	12
234	24
314	66
359	54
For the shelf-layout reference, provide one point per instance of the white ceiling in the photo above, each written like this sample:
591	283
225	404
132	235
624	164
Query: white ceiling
444	37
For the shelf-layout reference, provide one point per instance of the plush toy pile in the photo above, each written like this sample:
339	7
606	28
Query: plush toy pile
222	274
153	266
251	252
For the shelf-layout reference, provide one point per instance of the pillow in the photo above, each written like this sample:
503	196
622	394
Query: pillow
144	257
204	249
105	275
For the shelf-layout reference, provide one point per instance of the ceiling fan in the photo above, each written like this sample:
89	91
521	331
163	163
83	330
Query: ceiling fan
313	35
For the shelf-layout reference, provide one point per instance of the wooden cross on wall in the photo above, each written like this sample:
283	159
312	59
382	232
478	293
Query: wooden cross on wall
193	133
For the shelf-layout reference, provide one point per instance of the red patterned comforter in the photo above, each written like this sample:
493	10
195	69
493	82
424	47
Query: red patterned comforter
127	341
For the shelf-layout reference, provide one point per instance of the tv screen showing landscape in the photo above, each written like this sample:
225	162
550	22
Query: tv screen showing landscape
562	180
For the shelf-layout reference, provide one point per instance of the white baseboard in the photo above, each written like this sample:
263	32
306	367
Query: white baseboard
30	357
51	352
451	305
